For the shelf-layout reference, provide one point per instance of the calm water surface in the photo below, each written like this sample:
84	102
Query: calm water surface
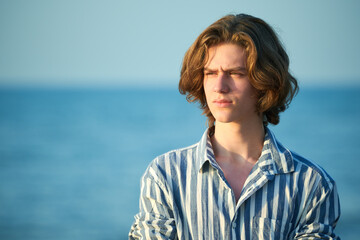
71	160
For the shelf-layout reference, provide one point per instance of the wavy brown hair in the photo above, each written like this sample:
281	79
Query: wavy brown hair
267	64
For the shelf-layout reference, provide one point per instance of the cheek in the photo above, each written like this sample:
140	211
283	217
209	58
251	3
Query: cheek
247	89
206	88
253	93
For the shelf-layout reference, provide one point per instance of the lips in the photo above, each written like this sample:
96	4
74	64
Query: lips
222	102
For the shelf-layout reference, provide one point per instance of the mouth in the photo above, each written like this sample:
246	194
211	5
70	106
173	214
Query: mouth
222	102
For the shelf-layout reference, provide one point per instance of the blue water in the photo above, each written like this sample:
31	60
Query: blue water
71	160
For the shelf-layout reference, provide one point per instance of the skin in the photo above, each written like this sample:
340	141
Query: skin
239	131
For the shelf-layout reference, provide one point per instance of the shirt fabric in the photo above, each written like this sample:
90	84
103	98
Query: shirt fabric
184	195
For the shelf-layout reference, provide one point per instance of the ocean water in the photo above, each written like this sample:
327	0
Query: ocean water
71	159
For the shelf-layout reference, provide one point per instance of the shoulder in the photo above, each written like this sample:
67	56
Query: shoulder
174	166
175	156
311	170
172	163
307	171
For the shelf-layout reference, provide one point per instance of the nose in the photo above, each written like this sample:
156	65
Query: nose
221	83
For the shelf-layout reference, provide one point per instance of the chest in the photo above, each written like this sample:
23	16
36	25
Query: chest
269	206
236	175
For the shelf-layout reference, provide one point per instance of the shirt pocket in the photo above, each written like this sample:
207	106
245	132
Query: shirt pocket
266	228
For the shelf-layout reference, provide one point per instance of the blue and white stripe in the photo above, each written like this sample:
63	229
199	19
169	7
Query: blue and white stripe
184	195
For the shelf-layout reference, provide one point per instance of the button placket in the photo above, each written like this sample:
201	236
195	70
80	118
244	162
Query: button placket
234	225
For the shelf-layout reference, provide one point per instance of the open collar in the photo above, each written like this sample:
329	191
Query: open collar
274	158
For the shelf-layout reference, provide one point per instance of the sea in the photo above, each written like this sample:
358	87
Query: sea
71	158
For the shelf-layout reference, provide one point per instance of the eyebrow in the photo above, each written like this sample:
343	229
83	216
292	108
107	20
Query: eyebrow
226	70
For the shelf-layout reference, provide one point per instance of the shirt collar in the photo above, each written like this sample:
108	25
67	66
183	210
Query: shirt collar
205	152
274	159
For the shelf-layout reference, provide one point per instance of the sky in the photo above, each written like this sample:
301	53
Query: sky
142	43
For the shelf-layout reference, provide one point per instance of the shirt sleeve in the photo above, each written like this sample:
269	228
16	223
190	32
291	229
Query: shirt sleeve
155	219
321	215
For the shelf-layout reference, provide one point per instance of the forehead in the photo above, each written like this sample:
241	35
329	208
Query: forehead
226	55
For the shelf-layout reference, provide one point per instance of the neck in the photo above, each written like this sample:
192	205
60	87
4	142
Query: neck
239	141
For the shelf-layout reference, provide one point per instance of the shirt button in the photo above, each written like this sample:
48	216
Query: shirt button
234	225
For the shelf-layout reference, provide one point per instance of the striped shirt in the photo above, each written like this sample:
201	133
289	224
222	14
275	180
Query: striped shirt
184	195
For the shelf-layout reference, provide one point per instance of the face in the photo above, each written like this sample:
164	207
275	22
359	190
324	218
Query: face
229	94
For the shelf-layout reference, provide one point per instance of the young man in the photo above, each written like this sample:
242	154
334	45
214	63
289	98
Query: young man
238	182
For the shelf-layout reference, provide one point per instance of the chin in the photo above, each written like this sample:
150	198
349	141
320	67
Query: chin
223	120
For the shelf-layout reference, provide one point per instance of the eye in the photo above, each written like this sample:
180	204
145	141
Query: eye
239	74
209	73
